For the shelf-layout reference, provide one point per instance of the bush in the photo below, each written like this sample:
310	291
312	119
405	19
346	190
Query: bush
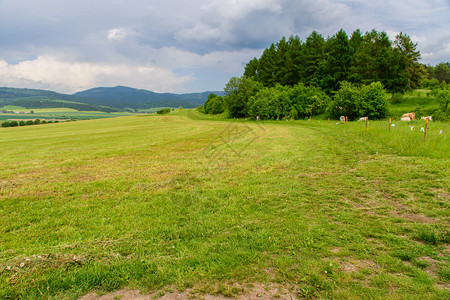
345	101
354	102
373	102
397	98
6	124
440	116
443	97
14	124
22	123
280	101
29	122
37	121
238	93
214	105
259	105
201	109
307	101
163	111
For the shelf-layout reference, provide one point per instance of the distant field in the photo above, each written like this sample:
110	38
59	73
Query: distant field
211	206
154	109
14	108
417	101
59	113
54	110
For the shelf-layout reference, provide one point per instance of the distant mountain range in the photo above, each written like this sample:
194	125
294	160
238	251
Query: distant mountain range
107	99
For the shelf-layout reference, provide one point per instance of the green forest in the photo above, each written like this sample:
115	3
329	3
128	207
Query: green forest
355	76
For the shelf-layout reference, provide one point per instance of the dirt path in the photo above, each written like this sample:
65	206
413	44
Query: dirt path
258	291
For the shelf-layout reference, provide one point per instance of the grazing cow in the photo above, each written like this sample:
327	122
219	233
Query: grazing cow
425	118
342	118
405	119
258	118
362	119
410	115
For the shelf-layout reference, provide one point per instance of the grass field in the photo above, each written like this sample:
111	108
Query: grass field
418	101
59	113
184	201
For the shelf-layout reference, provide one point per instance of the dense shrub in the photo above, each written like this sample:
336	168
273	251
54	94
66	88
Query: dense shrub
6	124
345	101
354	102
373	102
238	92
14	124
214	105
264	104
442	95
163	111
307	101
29	122
280	101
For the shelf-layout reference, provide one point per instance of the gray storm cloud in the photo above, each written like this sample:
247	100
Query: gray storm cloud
180	46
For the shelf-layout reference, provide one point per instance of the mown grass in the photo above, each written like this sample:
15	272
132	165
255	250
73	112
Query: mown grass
63	113
146	202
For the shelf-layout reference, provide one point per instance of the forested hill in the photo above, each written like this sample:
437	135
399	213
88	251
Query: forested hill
34	98
100	99
121	96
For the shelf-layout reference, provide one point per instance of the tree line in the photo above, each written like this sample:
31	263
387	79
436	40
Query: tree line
359	59
340	75
27	123
436	75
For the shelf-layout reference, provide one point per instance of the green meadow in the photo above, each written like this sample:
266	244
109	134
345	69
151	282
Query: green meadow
56	113
188	202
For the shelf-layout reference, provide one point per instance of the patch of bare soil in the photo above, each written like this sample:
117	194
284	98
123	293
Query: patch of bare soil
415	218
354	266
404	212
441	194
257	291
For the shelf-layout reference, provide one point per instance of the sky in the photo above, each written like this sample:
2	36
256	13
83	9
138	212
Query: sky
185	46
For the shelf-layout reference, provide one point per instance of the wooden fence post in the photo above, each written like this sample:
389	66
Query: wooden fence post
367	121
389	124
426	129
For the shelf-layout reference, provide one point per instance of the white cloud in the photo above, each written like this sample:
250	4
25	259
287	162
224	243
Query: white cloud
116	34
176	44
69	77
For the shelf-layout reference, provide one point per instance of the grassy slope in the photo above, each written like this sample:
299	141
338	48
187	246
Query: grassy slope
416	101
59	113
327	210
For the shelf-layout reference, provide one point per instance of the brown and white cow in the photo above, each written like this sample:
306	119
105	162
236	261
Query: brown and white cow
410	115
